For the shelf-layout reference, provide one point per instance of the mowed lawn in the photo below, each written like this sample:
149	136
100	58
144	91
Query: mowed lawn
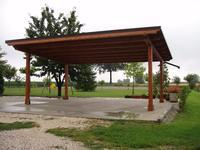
181	134
99	92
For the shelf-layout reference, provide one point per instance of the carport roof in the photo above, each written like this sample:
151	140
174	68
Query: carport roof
113	46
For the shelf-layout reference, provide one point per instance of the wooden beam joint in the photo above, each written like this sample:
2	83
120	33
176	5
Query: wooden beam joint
155	52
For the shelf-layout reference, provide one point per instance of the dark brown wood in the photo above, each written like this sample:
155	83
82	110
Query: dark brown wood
85	49
27	88
89	36
90	60
161	82
86	43
112	55
150	78
66	97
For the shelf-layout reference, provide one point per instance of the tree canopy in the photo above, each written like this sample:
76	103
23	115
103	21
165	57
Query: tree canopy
2	65
49	25
9	72
176	80
192	80
133	70
102	68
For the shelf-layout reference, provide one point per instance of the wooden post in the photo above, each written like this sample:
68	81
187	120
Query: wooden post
150	79
66	97
27	89
161	82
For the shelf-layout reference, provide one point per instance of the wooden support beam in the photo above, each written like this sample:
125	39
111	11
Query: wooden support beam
150	79
155	52
161	82
27	88
66	97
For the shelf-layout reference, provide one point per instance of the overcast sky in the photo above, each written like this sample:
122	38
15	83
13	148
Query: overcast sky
179	19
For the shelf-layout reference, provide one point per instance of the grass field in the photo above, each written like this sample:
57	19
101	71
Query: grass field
99	92
17	125
182	134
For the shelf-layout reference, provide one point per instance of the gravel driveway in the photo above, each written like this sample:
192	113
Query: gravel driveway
36	138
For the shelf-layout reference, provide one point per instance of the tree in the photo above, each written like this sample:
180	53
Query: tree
102	68
1	84
101	83
156	81
9	73
49	25
84	77
133	70
2	67
192	79
33	71
176	80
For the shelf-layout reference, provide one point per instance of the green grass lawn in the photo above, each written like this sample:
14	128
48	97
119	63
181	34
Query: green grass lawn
99	92
17	125
182	133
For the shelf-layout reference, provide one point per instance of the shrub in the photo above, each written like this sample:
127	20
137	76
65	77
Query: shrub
183	96
1	84
192	80
101	83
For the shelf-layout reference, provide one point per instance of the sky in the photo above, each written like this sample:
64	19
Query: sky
179	20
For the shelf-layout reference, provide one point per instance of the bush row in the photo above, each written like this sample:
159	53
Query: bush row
183	96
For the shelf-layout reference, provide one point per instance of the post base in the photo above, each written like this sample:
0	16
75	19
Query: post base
150	108
65	98
161	101
27	101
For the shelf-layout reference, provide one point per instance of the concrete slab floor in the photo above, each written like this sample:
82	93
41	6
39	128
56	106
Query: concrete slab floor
94	107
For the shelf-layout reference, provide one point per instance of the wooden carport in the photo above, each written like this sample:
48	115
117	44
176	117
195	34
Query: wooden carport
114	46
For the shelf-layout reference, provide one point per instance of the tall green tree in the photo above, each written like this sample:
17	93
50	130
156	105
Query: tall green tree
102	68
83	77
133	70
9	73
49	25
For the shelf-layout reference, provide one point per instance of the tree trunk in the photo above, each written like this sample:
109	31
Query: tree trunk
59	90
133	90
110	77
49	82
9	83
